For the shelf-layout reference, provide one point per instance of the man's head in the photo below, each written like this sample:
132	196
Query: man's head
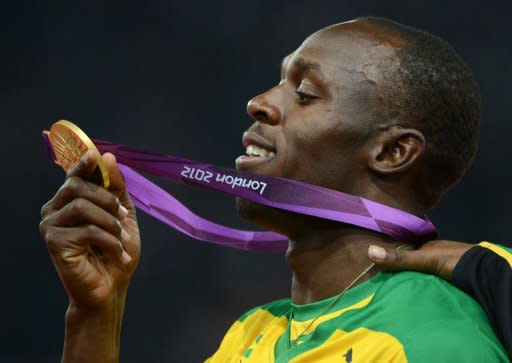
369	107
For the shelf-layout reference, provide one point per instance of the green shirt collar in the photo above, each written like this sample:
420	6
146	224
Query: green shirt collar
354	295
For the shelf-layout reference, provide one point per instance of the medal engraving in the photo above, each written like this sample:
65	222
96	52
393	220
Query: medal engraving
69	144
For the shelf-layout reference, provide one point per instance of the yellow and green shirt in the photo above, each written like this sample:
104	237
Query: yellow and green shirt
392	317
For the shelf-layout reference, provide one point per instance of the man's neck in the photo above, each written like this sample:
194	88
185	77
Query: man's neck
325	262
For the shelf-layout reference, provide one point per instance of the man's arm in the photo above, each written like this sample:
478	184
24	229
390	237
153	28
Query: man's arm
483	271
93	240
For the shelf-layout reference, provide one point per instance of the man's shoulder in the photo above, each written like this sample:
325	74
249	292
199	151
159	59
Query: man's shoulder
453	341
422	297
422	289
432	318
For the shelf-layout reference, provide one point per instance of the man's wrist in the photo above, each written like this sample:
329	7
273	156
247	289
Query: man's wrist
93	335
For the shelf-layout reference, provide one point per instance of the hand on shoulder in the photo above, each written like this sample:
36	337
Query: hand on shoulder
435	257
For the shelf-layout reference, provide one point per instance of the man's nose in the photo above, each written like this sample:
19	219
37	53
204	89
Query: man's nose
262	109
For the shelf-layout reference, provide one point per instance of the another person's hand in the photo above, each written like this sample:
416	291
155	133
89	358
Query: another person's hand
434	257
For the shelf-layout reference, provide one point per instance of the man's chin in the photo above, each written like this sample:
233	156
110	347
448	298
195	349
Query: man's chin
267	218
258	214
249	211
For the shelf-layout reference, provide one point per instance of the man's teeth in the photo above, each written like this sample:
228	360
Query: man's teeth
253	150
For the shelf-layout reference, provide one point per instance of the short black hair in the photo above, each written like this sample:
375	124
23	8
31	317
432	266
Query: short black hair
433	90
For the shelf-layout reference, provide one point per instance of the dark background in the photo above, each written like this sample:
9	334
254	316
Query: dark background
175	76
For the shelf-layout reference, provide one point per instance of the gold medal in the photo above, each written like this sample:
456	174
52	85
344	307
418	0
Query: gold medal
69	144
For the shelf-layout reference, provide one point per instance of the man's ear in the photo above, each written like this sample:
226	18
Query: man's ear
395	150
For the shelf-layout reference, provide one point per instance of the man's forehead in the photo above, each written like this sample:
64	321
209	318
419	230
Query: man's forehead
349	46
361	30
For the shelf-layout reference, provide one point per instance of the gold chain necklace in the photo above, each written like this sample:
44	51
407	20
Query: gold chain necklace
328	307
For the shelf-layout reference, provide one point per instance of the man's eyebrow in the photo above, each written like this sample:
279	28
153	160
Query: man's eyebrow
306	65
302	64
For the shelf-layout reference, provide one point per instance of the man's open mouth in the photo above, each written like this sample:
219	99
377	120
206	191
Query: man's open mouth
258	150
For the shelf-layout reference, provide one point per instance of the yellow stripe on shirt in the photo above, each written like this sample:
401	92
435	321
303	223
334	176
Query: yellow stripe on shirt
251	340
360	345
297	327
498	250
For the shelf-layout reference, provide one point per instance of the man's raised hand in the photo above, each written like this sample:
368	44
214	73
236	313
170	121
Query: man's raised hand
92	235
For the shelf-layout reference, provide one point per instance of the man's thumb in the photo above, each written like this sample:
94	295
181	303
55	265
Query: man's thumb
398	260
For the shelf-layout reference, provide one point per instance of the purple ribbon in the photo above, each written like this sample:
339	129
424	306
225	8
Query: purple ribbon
275	192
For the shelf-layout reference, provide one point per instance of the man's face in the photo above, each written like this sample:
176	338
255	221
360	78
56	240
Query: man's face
312	126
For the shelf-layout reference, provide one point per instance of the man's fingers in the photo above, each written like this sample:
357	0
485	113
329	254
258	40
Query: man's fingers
85	167
118	185
65	244
116	178
81	212
402	260
75	188
435	257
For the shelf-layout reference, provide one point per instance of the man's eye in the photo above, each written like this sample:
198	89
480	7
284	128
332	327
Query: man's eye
303	97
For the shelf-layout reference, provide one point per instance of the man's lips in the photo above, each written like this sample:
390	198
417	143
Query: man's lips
261	151
252	138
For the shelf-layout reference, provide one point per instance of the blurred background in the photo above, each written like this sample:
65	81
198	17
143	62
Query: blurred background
174	77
